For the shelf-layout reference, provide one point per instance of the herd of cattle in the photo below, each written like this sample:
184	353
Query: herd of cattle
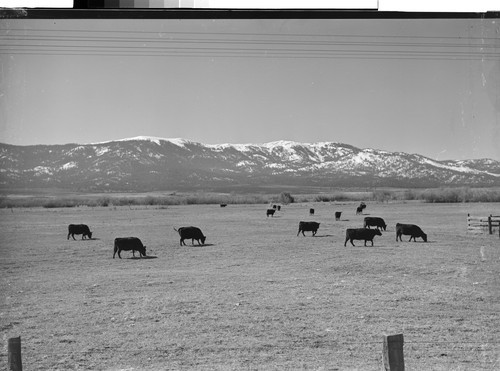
194	233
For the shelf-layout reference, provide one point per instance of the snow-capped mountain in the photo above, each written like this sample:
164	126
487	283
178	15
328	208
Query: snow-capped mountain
148	163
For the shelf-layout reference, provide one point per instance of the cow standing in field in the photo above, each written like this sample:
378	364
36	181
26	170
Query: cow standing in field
360	208
361	234
192	233
79	229
270	212
372	221
308	227
127	244
410	229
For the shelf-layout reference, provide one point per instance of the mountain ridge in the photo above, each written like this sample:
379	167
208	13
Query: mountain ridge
153	163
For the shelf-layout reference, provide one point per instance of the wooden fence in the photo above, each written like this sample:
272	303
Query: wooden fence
479	224
392	353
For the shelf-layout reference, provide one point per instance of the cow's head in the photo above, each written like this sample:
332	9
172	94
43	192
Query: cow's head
90	235
142	250
424	237
377	232
203	239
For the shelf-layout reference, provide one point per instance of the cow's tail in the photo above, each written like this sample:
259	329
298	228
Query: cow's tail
115	249
176	230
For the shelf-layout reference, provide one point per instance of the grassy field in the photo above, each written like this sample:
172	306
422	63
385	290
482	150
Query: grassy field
256	296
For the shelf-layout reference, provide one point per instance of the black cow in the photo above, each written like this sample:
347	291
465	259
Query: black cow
311	211
270	212
372	221
337	215
361	234
360	208
79	229
308	227
412	230
193	233
127	244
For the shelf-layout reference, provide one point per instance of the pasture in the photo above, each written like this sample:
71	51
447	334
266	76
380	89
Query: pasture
256	296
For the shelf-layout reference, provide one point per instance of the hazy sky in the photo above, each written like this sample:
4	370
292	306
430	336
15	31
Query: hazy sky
413	85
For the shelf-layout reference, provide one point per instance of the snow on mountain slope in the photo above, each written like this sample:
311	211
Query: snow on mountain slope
152	163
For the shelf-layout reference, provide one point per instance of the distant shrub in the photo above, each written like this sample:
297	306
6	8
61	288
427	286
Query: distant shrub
342	196
462	194
383	195
286	198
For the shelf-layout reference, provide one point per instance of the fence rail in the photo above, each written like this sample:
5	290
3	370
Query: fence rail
483	223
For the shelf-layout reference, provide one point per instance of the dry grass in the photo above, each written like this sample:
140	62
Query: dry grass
256	296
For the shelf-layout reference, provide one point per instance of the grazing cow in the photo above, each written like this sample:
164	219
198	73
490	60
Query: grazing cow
193	233
337	215
308	227
412	230
79	229
270	212
279	207
127	244
311	211
375	222
361	234
223	205
360	208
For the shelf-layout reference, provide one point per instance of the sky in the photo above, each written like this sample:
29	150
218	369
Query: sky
427	86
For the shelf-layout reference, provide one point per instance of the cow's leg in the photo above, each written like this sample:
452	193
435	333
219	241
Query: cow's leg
73	235
298	233
372	242
352	243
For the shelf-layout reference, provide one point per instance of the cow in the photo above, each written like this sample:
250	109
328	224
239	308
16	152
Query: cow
311	211
79	229
308	227
361	234
412	230
193	233
360	208
270	212
223	205
127	244
337	215
375	222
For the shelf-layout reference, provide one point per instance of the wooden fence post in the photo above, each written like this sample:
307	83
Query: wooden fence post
393	358
14	354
